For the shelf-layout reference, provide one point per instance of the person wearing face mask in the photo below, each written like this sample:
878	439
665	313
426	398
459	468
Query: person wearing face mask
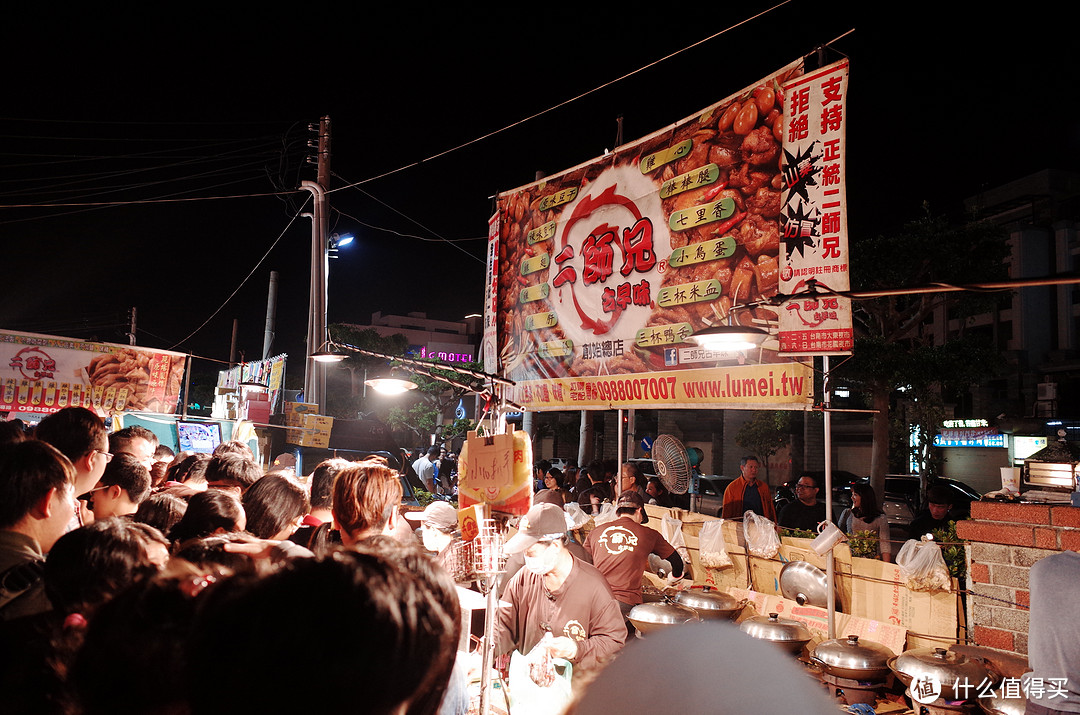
438	528
557	594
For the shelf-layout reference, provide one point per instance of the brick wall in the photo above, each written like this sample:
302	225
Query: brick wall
1004	541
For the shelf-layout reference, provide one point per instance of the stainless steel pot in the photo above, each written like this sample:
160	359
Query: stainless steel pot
947	668
710	605
789	635
853	658
650	617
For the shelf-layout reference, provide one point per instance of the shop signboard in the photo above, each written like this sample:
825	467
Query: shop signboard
46	373
813	220
606	270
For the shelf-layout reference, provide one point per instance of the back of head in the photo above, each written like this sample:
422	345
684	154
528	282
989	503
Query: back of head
29	469
73	430
12	431
369	627
120	441
89	565
141	635
232	470
274	504
190	469
206	513
322	482
161	511
126	472
236	447
433	453
365	497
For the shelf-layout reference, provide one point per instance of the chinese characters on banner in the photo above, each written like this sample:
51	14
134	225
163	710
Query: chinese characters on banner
606	270
489	349
45	373
813	220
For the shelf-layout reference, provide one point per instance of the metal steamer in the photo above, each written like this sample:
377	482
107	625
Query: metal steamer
856	670
938	671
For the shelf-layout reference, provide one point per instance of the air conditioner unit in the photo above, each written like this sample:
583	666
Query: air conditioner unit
1047	391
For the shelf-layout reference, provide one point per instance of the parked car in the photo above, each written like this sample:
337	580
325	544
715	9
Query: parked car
711	488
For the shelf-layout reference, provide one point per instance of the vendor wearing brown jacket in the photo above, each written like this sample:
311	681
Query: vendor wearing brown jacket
748	493
556	592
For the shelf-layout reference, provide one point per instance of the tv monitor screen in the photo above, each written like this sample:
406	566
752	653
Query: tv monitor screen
201	437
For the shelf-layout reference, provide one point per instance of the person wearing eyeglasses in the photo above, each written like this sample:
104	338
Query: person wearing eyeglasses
80	435
806	512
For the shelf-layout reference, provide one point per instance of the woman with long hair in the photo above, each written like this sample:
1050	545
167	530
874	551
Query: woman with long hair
865	515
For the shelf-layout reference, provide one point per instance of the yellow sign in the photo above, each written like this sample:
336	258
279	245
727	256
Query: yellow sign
743	386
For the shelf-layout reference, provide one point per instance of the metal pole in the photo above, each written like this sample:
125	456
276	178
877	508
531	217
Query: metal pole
316	333
830	566
271	313
187	386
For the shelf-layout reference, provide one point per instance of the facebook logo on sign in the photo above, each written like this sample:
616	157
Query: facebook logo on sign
671	356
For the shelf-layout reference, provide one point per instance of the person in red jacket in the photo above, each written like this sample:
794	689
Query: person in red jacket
748	493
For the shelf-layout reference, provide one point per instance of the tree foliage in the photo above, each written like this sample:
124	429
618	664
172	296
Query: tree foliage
765	434
893	348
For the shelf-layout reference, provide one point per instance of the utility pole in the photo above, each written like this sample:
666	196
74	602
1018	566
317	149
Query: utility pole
271	315
315	372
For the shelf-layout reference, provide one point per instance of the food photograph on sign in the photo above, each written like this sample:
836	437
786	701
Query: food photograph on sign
609	268
43	373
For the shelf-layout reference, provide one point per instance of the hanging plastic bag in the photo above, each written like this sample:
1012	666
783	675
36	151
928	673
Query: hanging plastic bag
607	513
922	566
711	550
578	517
671	529
760	533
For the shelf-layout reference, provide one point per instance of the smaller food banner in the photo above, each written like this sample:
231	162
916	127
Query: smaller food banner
813	219
496	470
46	373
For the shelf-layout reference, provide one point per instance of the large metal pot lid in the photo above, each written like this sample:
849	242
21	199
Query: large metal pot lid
662	613
774	628
706	599
804	583
853	653
943	665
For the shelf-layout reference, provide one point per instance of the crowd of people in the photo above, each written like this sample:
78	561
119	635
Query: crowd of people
137	580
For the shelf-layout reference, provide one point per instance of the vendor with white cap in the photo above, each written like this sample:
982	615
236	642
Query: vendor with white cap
438	527
558	594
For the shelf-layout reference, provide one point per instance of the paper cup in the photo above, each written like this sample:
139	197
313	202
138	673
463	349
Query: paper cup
1010	479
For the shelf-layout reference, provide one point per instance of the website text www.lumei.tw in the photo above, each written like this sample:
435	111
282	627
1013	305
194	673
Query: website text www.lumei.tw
639	388
771	386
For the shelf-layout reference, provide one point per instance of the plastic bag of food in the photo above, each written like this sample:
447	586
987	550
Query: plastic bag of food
539	683
761	537
922	566
711	550
671	529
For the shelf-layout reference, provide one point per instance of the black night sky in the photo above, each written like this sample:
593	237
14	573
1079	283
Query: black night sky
136	108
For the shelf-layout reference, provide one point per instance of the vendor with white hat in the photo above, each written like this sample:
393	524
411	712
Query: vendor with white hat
559	595
438	527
